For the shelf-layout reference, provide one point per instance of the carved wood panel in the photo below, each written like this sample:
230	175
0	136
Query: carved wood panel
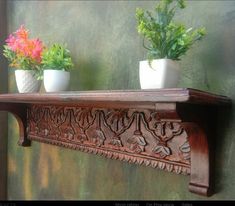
135	136
170	129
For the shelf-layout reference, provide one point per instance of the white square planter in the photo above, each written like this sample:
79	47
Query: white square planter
26	81
163	73
56	80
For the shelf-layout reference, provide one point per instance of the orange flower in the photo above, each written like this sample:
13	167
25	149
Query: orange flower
20	43
22	33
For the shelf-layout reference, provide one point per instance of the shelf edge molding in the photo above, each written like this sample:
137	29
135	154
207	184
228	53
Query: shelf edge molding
172	136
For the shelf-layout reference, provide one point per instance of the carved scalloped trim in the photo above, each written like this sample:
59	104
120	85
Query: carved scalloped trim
177	168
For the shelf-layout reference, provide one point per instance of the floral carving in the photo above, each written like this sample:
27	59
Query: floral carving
118	122
116	141
117	119
163	132
84	119
115	133
162	150
98	138
185	149
136	142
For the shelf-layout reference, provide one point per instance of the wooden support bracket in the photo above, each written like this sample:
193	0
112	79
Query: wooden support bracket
165	129
20	113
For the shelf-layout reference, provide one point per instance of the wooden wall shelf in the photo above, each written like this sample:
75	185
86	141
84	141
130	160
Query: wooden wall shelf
168	129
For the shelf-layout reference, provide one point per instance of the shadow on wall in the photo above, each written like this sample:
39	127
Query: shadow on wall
221	142
88	75
217	59
218	64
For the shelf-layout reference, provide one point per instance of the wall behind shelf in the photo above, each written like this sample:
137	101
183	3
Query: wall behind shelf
106	49
3	115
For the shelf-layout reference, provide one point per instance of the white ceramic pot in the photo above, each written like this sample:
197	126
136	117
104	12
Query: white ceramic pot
163	73
26	81
56	80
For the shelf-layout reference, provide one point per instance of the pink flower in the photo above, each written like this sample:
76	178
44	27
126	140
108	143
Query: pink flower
20	43
37	49
22	33
11	42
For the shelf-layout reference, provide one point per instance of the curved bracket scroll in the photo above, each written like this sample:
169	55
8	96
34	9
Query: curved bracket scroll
200	159
20	113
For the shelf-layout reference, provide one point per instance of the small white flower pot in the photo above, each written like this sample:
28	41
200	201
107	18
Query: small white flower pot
163	73
26	81
56	80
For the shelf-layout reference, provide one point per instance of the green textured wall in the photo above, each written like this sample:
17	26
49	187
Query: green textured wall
3	116
106	49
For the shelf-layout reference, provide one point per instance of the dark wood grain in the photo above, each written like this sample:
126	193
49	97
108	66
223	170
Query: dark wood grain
20	113
200	165
166	129
140	96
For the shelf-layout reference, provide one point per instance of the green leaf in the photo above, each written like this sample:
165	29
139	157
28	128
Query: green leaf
165	38
57	57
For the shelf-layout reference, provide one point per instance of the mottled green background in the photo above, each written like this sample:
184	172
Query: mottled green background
106	49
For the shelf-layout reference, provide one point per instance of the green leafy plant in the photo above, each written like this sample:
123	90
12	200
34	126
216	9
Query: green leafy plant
57	57
166	39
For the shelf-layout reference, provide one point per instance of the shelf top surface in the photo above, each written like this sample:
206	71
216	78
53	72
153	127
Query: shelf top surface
184	95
